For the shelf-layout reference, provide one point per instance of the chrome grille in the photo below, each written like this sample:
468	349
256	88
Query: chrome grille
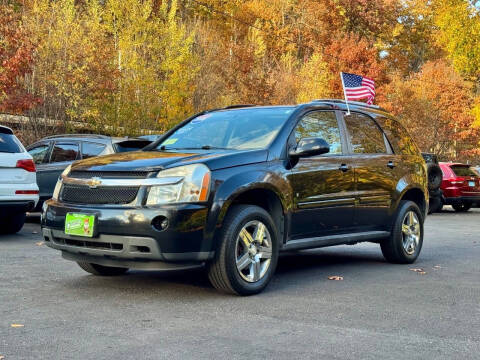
80	194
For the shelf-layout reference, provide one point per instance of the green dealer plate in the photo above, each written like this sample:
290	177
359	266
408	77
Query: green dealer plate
79	224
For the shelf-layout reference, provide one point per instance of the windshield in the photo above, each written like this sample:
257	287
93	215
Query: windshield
252	128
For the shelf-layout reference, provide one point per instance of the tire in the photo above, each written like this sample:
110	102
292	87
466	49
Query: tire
101	270
435	176
435	205
463	207
12	224
394	248
224	270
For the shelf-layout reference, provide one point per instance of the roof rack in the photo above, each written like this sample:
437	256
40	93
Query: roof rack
238	106
357	103
78	135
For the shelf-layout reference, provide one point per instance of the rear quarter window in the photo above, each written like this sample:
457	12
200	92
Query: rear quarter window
130	145
398	136
10	144
90	149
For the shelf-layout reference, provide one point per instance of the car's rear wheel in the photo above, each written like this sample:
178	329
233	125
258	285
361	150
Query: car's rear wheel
11	224
247	252
405	242
101	270
462	207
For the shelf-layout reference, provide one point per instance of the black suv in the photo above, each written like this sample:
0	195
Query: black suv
233	187
54	153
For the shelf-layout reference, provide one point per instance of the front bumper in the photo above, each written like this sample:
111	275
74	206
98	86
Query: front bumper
125	237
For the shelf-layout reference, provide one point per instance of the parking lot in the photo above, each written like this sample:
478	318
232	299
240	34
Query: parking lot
51	309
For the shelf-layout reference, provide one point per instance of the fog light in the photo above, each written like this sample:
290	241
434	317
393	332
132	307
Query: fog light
160	223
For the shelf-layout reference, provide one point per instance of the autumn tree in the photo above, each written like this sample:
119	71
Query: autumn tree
459	32
16	51
434	105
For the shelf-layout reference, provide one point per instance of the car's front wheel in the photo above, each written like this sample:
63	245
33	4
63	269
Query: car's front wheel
247	252
406	240
101	270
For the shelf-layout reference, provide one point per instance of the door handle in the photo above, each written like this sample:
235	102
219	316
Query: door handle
390	164
343	167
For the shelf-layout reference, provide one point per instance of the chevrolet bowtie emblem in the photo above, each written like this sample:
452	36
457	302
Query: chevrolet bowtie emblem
94	182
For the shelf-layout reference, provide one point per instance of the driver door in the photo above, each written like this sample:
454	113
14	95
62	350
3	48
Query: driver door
324	185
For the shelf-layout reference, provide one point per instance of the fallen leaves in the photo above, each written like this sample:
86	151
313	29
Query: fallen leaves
40	243
336	278
17	325
418	271
436	267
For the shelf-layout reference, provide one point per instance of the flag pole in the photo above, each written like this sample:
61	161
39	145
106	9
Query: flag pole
345	93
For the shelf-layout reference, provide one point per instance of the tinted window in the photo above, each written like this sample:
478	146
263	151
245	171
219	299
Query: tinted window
38	153
64	152
365	136
130	145
91	149
10	144
462	170
320	124
248	128
399	138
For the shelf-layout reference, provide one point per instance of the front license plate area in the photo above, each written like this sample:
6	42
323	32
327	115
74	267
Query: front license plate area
79	224
471	183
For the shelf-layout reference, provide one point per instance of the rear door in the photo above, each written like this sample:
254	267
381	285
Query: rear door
323	186
377	172
62	154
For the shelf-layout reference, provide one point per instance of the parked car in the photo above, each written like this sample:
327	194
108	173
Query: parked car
231	188
460	185
434	181
54	153
18	185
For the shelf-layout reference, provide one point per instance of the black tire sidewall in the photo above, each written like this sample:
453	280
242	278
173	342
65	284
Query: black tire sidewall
13	223
434	172
248	214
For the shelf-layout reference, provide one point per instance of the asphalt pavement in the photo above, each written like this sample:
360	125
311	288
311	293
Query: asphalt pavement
51	309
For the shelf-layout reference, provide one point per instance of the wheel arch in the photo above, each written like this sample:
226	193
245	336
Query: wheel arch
418	196
263	195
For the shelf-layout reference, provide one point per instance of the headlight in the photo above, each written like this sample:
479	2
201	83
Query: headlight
194	185
58	186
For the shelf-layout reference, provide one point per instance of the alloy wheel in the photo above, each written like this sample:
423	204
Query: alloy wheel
410	232
253	251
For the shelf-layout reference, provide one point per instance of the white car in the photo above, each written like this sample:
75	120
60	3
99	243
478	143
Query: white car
18	182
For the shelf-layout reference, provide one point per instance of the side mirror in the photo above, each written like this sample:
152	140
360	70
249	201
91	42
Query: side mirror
310	147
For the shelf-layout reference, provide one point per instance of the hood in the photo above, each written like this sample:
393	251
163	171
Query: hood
158	160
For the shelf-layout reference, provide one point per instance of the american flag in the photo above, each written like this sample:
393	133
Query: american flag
358	87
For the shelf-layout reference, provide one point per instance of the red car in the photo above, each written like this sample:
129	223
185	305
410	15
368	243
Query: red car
460	185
